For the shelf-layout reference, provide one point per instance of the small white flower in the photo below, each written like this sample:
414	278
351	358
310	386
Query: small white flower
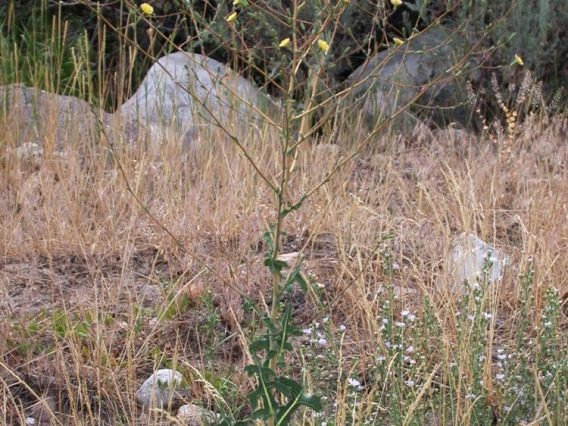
342	328
400	324
322	342
487	315
409	383
408	360
499	376
404	313
353	382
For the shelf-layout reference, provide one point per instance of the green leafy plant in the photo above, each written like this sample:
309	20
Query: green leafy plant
276	398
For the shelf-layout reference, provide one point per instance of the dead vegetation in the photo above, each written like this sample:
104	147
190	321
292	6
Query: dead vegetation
114	261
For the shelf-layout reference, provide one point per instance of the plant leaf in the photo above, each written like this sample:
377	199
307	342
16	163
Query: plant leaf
296	277
259	345
293	207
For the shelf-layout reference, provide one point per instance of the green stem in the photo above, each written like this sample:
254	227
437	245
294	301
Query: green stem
281	195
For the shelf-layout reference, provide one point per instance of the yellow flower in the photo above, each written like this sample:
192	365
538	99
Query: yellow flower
396	3
323	45
284	42
146	9
397	41
232	17
518	61
237	2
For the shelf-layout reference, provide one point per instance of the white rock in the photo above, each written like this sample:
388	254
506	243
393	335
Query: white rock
291	259
193	415
188	92
29	151
470	256
159	390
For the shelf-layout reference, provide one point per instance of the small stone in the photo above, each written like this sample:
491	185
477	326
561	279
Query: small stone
193	415
471	258
29	151
291	259
159	390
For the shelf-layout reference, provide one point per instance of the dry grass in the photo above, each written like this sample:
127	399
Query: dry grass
88	273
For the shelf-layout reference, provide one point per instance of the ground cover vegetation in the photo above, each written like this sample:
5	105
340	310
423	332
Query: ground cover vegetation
297	275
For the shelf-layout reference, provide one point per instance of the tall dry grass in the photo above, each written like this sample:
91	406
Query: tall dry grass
118	260
79	249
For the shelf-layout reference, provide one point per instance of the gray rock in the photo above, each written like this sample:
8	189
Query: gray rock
394	77
472	260
160	389
193	415
39	118
189	92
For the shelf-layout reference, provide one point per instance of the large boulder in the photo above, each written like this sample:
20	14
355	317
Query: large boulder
428	68
34	117
186	93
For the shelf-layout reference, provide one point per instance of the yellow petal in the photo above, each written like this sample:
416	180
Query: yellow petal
284	42
518	60
232	17
398	41
237	2
396	3
323	45
146	9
